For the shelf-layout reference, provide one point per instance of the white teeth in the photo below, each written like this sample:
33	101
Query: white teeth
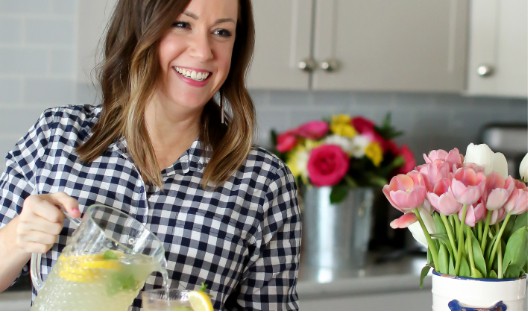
198	76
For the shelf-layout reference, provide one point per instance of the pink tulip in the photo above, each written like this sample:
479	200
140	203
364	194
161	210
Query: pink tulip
498	190
497	215
406	192
327	165
404	221
434	172
518	202
474	214
468	185
453	157
442	198
313	130
286	141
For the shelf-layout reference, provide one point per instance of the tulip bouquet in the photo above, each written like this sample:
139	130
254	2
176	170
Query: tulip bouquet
343	152
469	213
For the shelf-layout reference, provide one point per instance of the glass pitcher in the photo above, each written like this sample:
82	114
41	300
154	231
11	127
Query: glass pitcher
104	265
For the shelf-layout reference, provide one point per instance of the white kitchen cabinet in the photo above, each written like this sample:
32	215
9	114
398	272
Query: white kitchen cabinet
365	45
498	48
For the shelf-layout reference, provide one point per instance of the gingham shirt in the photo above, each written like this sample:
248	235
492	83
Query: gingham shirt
242	240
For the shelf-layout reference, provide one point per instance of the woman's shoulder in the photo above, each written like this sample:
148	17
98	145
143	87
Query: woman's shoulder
72	113
71	121
262	160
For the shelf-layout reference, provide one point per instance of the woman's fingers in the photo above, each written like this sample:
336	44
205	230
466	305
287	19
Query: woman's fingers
41	220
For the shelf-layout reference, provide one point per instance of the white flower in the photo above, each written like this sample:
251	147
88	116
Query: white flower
483	156
523	168
416	229
359	145
343	142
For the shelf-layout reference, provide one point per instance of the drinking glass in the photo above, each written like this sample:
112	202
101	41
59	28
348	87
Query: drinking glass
163	299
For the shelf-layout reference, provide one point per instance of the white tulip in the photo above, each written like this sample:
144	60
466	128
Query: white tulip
483	156
523	168
416	229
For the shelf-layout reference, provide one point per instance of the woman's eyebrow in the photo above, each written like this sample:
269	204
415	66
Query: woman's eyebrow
218	21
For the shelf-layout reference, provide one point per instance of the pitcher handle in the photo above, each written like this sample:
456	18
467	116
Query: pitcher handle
34	267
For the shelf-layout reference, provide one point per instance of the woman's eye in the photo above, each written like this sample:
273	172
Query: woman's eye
222	32
180	25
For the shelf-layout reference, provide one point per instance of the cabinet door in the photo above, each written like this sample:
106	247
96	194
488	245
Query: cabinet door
498	42
283	30
402	45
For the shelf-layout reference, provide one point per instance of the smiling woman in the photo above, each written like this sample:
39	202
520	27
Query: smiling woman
162	149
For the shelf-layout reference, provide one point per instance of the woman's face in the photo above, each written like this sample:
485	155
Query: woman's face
195	54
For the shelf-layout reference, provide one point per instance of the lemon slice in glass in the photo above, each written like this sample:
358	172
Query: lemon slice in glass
200	301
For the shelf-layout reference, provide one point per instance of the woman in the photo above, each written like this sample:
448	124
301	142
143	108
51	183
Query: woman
162	148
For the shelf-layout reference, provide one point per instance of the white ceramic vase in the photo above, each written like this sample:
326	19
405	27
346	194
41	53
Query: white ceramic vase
451	293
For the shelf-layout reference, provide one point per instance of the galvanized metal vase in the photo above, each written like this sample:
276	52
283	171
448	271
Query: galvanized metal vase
336	236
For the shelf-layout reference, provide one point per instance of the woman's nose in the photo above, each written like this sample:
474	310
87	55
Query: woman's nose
201	47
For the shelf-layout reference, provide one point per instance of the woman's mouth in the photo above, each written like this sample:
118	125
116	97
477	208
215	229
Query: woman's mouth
192	74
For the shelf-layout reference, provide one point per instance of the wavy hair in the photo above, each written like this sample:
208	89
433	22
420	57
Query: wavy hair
129	75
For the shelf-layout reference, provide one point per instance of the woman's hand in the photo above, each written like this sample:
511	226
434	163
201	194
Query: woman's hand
41	220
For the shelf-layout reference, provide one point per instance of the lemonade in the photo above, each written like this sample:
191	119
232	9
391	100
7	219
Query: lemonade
109	280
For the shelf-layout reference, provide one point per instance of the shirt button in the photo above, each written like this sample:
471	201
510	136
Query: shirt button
142	189
200	166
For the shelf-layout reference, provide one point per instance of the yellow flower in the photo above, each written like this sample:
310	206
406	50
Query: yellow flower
374	153
297	161
341	125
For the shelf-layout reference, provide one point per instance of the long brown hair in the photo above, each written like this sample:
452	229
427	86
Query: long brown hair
129	75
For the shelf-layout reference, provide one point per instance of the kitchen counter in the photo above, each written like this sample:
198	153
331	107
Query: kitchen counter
390	284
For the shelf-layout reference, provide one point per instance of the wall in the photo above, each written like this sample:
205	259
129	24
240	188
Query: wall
37	70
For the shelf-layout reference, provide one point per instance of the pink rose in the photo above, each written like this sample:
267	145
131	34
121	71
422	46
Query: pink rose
368	129
327	165
286	141
313	129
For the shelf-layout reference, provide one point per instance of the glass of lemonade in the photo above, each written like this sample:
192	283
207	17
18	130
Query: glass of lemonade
166	299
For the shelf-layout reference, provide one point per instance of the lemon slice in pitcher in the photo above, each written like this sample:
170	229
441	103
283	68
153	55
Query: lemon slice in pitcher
200	301
85	268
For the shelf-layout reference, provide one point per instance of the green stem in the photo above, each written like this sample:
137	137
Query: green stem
460	237
430	243
486	229
499	262
469	249
498	240
449	233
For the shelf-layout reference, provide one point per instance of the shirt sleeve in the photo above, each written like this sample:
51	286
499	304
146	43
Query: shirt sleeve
17	180
270	279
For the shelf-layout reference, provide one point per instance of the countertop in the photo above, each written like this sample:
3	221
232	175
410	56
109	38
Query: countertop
386	274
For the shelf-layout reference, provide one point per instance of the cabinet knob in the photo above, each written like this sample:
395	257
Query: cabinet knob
485	70
307	65
329	65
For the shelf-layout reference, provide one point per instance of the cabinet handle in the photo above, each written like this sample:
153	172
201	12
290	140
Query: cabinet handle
329	65
308	65
485	70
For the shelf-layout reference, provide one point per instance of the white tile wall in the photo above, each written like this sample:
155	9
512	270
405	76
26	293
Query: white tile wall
37	70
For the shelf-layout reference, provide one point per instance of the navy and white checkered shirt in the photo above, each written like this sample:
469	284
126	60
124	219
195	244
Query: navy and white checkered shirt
242	239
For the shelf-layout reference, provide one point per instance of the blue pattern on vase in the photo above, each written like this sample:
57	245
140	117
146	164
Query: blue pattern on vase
455	305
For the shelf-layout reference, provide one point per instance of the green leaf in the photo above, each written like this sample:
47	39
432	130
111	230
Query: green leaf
423	273
110	255
516	253
452	265
443	259
338	194
464	268
122	281
203	287
478	257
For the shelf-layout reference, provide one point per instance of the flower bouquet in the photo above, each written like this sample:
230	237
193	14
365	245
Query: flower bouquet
469	213
343	152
